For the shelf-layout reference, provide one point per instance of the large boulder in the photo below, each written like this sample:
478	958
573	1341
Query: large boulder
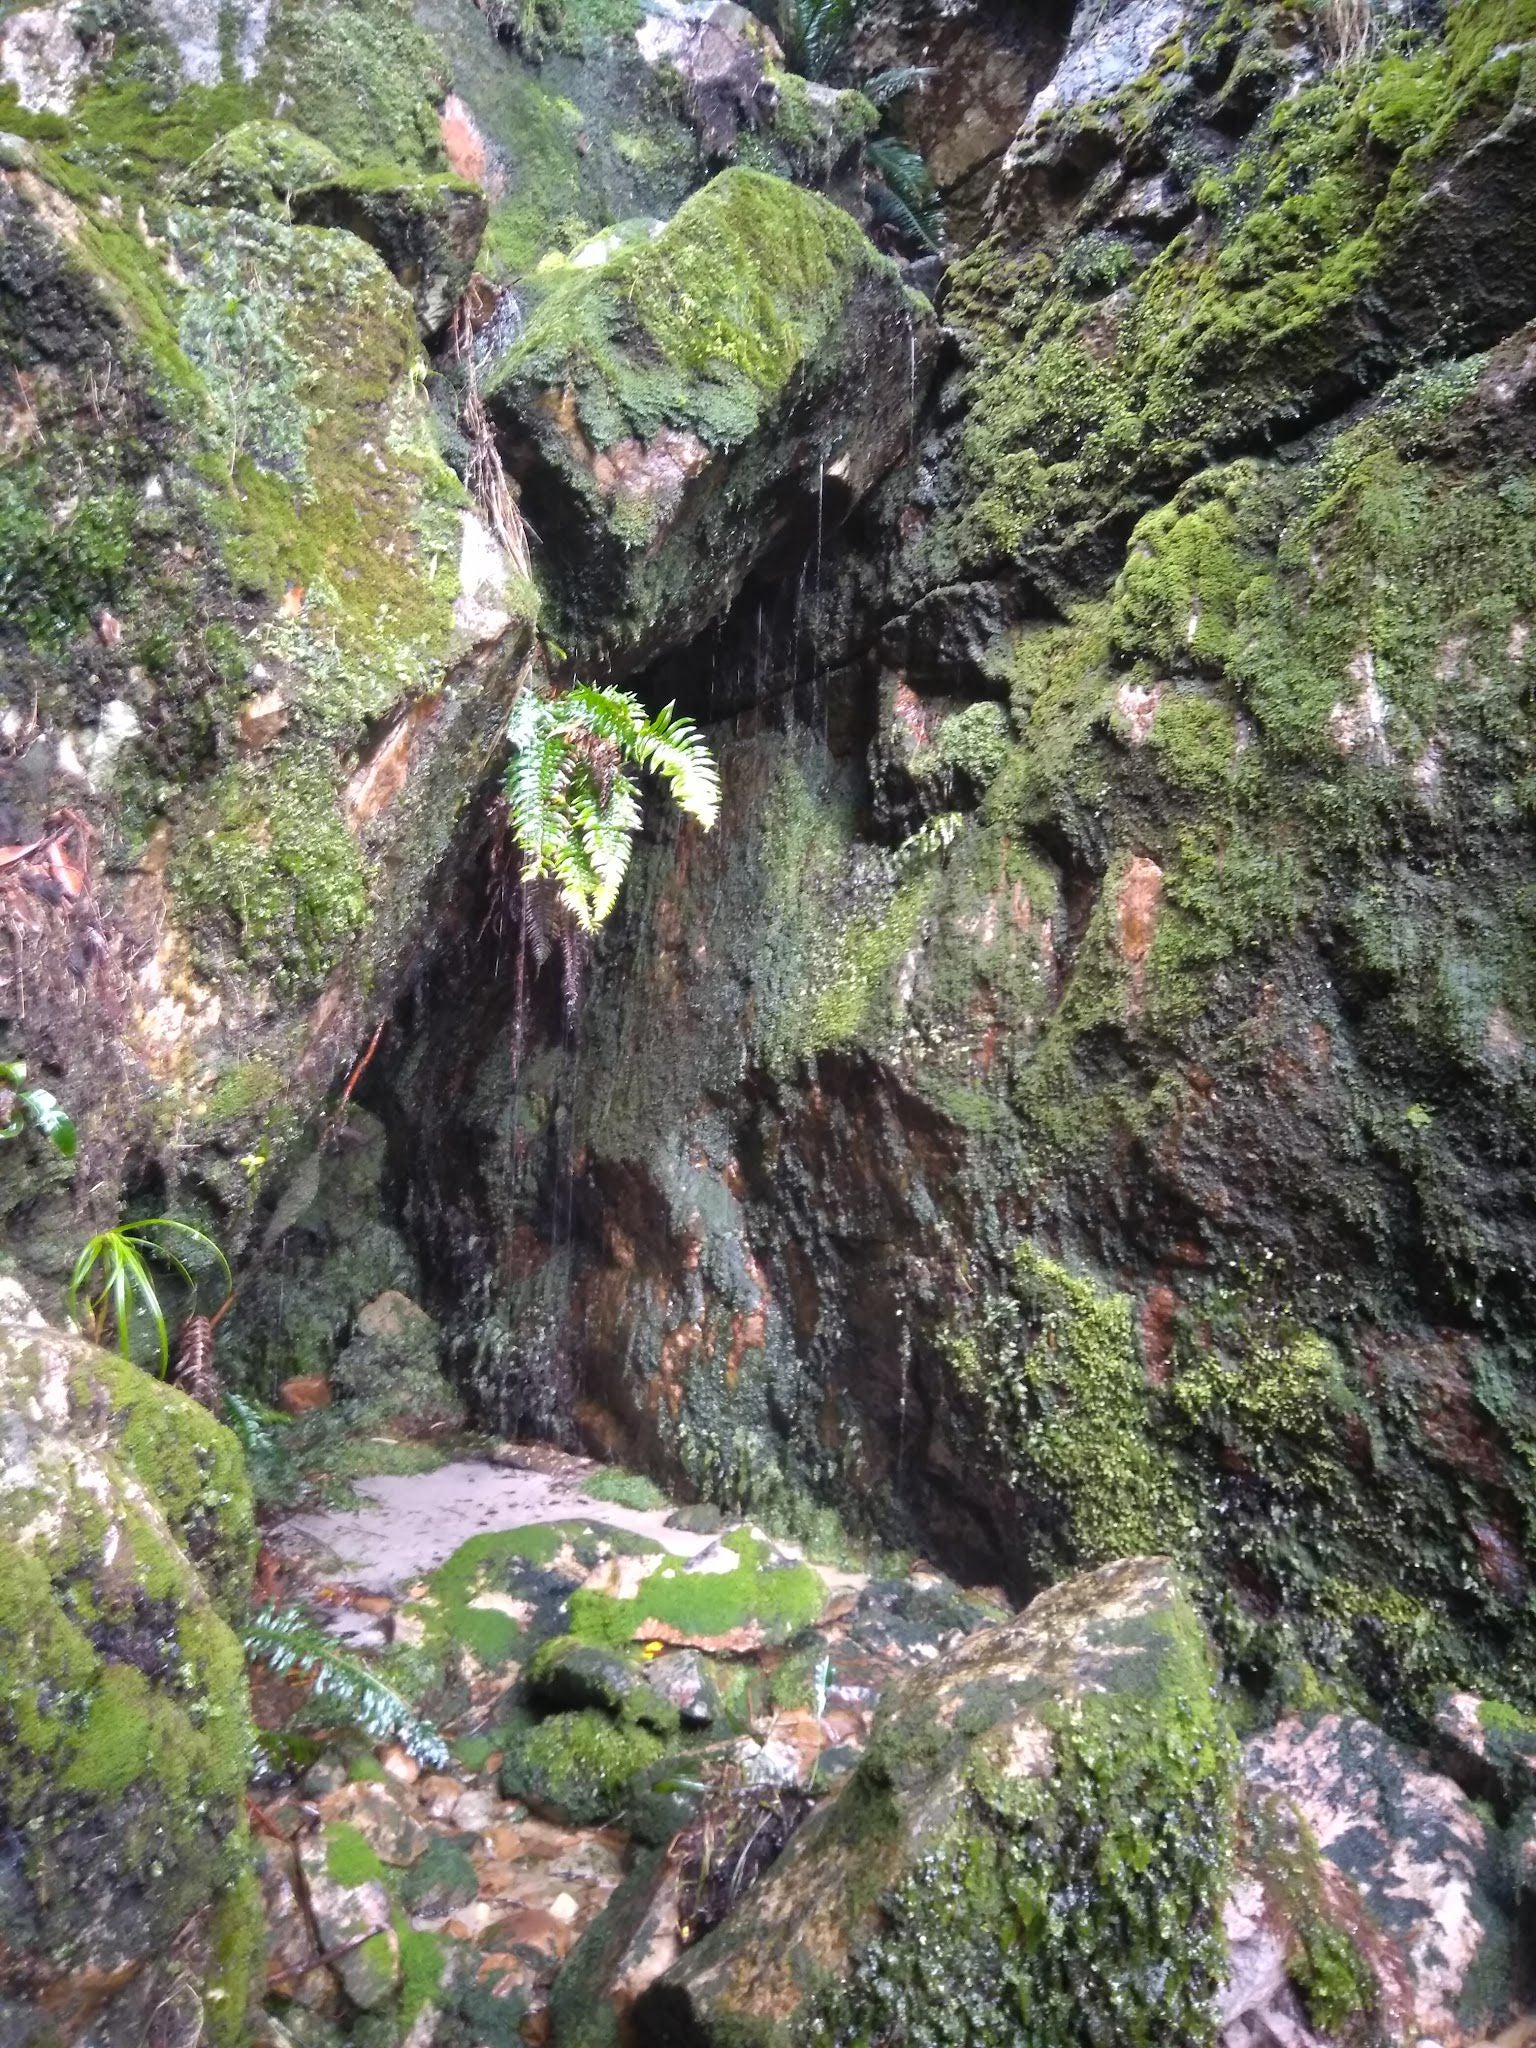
1408	1920
126	1538
1039	1826
736	378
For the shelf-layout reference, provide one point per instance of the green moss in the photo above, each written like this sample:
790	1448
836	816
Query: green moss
372	1457
242	1091
60	565
1074	420
423	1960
238	1940
1286	1384
577	1767
1054	1371
1323	1959
624	1489
360	77
279	871
1069	1909
777	1598
189	1464
350	1858
706	323
258	166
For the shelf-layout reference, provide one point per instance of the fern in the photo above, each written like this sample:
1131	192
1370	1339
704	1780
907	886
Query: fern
934	836
815	33
906	196
573	805
887	86
269	1464
285	1639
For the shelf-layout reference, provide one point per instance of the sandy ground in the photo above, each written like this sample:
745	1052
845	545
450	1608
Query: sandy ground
417	1522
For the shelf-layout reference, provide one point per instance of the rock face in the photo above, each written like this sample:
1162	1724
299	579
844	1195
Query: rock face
1073	1753
676	411
126	1537
1097	1045
1423	1865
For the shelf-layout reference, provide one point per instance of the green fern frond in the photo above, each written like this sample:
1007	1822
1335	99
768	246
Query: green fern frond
906	196
285	1639
887	86
675	748
574	816
816	33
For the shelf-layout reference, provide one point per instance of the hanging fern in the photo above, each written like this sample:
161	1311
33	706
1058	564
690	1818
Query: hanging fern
285	1639
573	804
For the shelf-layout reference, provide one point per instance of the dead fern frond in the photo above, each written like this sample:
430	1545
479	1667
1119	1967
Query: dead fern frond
194	1371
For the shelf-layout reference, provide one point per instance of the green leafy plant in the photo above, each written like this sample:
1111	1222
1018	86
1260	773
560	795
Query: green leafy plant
573	805
285	1639
112	1276
815	33
905	196
885	87
269	1464
934	836
23	1108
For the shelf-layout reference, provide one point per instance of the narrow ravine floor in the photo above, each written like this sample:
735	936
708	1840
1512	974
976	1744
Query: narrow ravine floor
388	1884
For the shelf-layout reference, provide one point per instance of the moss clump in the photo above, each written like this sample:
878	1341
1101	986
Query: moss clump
123	1706
361	77
775	1599
258	167
350	1858
703	326
576	1767
624	1489
1066	1913
1054	1371
60	565
279	871
189	1464
1082	408
1285	1384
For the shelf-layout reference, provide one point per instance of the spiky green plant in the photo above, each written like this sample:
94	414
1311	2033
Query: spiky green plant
574	806
285	1639
23	1108
112	1275
815	33
905	195
887	86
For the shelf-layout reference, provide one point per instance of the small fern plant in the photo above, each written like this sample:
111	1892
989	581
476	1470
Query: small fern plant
112	1277
285	1639
573	801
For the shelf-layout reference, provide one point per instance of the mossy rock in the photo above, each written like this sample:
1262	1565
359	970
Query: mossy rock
666	403
568	1673
575	1769
124	1717
426	229
390	1369
1075	1753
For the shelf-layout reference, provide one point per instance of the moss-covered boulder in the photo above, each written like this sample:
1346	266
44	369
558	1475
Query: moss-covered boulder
675	410
1041	1825
126	1544
426	229
248	618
